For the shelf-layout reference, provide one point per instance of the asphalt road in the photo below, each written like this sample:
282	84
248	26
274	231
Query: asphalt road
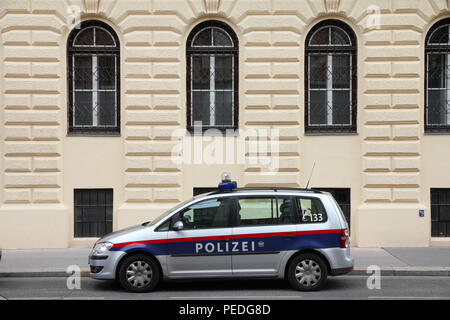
344	287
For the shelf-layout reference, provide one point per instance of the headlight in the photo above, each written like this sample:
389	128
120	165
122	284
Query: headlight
101	247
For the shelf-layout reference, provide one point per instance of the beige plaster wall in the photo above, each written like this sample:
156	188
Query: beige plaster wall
390	164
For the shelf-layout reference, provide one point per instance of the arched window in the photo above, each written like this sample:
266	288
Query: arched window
93	58
212	58
437	64
330	78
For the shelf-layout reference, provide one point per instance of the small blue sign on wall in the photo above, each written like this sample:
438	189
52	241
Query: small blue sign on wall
421	213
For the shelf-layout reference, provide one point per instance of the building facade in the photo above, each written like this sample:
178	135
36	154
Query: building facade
113	111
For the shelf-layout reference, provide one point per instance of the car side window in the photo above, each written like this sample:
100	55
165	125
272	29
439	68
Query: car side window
286	213
164	226
212	213
311	210
259	211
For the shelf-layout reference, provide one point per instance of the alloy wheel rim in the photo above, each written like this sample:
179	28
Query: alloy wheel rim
139	274
308	273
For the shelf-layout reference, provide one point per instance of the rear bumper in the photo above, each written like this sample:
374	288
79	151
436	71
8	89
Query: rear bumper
341	271
340	260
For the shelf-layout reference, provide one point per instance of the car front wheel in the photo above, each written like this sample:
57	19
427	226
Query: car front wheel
139	273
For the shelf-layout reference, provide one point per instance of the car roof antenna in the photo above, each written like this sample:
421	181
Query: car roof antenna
310	175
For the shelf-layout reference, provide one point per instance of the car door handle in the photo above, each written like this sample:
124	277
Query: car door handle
288	236
223	240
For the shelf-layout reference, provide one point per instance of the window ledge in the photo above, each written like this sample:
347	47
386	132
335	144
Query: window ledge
213	132
437	133
93	134
440	241
325	133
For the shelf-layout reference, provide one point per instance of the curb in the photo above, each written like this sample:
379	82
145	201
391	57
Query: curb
399	271
405	271
42	274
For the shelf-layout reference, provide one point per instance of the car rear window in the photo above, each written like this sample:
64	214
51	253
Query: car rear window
311	210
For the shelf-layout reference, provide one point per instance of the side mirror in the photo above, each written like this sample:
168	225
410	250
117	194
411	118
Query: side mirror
177	226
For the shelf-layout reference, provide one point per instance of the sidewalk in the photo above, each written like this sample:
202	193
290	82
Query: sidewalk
43	262
429	261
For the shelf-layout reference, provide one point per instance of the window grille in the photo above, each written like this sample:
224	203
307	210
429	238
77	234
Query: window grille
330	78
212	56
437	82
440	212
93	211
93	79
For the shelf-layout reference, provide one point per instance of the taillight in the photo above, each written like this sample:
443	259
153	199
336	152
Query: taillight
345	241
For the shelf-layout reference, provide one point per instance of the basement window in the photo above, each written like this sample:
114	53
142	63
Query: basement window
93	211
440	212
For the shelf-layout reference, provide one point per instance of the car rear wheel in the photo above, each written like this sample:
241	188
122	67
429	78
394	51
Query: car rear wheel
307	272
139	273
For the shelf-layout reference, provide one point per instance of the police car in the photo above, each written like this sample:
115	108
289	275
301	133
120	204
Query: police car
297	234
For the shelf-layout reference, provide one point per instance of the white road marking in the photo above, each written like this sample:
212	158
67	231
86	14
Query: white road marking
58	298
238	297
36	298
408	297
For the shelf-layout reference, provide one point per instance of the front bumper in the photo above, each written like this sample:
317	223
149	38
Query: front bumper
104	266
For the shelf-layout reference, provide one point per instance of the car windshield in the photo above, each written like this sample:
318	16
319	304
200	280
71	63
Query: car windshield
166	213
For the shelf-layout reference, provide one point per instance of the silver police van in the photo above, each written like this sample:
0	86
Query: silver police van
297	234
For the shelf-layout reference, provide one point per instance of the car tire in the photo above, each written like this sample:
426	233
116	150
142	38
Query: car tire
307	272
139	273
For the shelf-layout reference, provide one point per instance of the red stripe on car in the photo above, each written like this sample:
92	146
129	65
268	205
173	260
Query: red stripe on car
234	236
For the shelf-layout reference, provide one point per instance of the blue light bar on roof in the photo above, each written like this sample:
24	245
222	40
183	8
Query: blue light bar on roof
227	186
